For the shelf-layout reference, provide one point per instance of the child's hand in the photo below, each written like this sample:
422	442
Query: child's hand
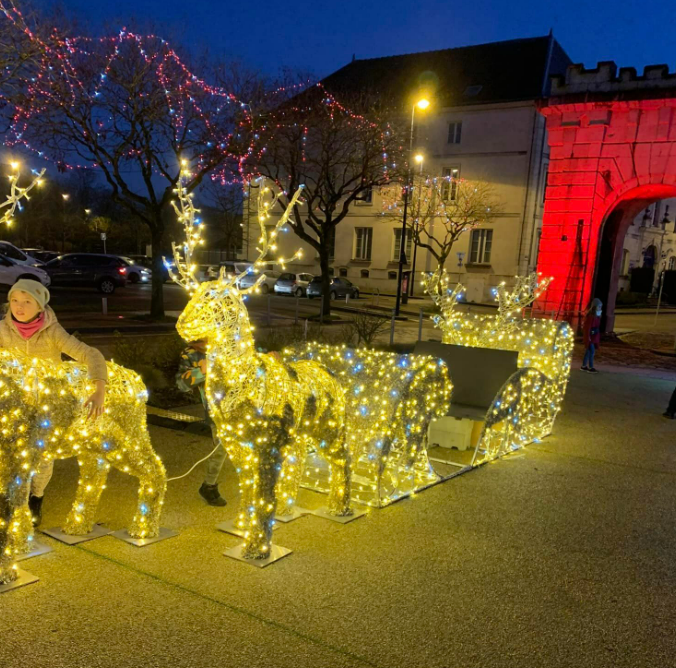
95	402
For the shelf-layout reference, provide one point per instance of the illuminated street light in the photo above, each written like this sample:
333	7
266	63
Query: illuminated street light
423	103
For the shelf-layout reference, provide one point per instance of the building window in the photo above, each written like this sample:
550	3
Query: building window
396	250
343	272
367	196
672	263
364	273
392	275
454	132
625	263
331	271
363	237
449	185
480	246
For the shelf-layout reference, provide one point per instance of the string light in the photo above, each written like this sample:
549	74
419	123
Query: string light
526	407
42	418
268	414
17	193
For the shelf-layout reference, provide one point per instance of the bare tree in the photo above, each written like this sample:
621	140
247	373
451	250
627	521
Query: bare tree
338	154
130	109
441	209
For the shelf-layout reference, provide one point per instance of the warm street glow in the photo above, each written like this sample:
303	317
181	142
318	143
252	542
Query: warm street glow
419	157
423	103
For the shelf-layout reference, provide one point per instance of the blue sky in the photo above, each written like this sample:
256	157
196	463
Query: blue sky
321	36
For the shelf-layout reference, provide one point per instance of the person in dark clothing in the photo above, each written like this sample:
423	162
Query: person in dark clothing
670	413
191	374
591	334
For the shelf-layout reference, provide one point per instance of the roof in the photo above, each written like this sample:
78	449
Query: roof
508	71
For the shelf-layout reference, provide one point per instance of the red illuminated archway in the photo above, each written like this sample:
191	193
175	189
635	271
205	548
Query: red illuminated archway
612	141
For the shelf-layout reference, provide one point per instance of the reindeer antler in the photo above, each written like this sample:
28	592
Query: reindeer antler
17	193
267	242
436	286
192	225
526	290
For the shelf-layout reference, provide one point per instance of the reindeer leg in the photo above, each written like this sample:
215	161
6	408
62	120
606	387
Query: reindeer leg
16	525
294	457
148	468
90	486
340	465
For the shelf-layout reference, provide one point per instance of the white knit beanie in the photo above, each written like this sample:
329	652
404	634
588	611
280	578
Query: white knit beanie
34	288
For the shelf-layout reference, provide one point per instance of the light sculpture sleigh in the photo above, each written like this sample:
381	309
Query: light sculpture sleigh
527	405
42	417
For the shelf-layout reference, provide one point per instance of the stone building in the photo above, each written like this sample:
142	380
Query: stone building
483	123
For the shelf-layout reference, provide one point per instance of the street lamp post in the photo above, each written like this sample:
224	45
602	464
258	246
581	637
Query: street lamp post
419	158
421	104
65	197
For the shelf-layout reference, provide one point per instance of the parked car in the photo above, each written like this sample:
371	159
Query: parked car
11	271
147	263
13	253
104	272
41	255
136	272
268	285
293	284
232	268
339	288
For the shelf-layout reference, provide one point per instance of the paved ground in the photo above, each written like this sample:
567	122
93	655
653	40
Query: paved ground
561	555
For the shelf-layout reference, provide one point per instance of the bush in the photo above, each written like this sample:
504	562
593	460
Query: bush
366	328
625	298
155	359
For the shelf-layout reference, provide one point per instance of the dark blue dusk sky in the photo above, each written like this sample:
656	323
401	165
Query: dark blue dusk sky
321	36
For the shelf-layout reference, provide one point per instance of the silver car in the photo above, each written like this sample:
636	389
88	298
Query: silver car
293	284
266	286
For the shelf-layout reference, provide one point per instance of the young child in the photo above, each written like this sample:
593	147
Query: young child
31	327
192	371
591	334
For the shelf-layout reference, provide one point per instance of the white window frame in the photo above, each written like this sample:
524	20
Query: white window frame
363	243
449	189
396	244
454	135
484	246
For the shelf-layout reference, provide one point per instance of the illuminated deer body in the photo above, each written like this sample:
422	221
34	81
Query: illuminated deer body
267	413
42	417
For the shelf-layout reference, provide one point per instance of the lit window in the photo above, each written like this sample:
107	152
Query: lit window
481	243
449	185
362	247
397	245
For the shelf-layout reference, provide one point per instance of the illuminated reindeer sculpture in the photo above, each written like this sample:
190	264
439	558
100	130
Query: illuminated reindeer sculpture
268	414
42	417
527	405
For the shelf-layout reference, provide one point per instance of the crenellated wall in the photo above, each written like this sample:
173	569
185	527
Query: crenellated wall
612	140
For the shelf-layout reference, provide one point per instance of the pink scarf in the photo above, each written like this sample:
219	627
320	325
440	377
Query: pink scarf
27	329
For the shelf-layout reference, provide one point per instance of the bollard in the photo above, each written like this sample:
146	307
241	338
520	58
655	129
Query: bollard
305	333
347	298
420	323
269	313
104	305
392	327
295	322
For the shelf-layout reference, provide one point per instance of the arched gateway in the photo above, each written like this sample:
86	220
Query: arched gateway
612	140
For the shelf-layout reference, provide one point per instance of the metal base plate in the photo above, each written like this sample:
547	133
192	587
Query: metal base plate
25	578
277	552
231	528
122	534
344	519
295	513
36	550
97	532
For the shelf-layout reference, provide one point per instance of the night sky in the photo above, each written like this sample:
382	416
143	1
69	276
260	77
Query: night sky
321	36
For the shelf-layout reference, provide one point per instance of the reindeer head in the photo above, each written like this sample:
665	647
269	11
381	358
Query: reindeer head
217	309
526	290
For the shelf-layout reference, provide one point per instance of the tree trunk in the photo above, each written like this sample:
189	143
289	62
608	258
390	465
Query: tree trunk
157	293
326	279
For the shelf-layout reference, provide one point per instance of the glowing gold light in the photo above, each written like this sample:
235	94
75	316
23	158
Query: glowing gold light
423	103
526	407
41	404
268	413
16	194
